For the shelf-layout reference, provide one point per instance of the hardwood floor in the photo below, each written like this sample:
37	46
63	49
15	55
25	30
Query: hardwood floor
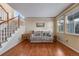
40	49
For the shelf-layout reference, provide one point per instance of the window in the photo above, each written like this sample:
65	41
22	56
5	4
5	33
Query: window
77	26
16	13
70	24
73	23
60	24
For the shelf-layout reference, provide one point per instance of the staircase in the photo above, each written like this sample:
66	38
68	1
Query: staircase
7	26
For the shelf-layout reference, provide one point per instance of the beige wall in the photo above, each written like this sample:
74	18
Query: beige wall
69	40
9	9
31	24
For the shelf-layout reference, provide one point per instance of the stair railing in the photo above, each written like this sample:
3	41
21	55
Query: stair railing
8	26
3	17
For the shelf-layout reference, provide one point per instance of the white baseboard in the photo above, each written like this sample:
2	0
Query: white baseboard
10	47
69	46
40	41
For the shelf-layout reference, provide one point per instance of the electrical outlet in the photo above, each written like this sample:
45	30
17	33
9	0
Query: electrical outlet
67	41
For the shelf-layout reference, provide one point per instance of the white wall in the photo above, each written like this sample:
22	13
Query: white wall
31	24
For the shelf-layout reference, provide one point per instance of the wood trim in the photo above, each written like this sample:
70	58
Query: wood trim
3	8
1	20
6	13
7	20
72	6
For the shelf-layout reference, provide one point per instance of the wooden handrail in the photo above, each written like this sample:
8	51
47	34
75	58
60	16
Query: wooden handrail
8	17
3	8
5	12
8	30
7	20
1	20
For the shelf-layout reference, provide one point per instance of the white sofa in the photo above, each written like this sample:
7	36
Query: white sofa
41	36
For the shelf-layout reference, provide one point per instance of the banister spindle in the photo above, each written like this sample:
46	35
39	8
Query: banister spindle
2	35
5	34
0	45
0	38
13	27
18	21
10	30
3	29
7	29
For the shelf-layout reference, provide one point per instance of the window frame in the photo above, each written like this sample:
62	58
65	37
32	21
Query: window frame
72	12
58	20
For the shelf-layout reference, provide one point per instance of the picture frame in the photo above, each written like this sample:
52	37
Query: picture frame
40	24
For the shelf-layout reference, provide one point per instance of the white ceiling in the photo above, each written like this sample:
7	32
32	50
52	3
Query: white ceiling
40	9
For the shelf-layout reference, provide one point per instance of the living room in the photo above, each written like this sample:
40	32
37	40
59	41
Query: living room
39	30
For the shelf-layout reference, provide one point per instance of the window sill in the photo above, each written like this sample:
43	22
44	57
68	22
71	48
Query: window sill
60	32
73	34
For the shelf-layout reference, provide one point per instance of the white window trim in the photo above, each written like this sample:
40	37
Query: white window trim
72	33
74	29
66	15
57	24
60	32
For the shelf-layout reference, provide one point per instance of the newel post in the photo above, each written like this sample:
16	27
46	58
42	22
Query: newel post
18	21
